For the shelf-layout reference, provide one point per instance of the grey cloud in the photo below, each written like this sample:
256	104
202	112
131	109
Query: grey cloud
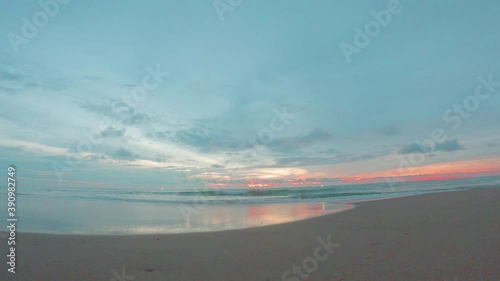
311	161
31	84
18	148
94	157
195	137
329	151
103	109
367	156
8	91
115	108
308	161
112	132
388	131
314	136
123	154
411	148
93	78
136	118
203	138
298	142
56	84
129	86
161	158
449	145
10	76
446	146
160	135
21	80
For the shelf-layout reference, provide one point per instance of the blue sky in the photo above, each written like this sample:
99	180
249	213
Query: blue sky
230	76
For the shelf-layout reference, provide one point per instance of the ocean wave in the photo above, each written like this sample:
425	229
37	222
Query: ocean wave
211	195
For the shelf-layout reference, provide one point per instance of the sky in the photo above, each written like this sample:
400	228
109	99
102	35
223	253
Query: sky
181	94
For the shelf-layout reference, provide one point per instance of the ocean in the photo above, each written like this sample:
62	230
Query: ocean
214	195
140	210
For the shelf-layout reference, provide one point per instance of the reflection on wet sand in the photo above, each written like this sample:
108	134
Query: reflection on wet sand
218	217
96	217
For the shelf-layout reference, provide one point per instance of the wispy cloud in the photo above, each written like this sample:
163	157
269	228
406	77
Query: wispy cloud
300	142
33	147
7	90
388	131
446	146
112	132
123	154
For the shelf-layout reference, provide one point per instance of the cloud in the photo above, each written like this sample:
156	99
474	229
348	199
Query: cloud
329	151
315	136
411	148
196	137
31	84
492	145
6	148
136	118
388	131
56	84
111	132
449	145
123	154
446	146
299	142
7	90
117	109
201	137
14	81
32	147
162	158
103	109
11	76
367	156
311	161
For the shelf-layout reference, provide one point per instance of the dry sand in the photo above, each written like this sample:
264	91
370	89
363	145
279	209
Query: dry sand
442	236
